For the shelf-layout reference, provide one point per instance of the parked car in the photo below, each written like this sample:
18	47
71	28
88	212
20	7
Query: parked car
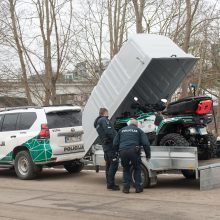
33	137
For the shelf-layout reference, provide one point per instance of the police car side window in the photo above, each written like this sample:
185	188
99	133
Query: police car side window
1	120
9	122
26	120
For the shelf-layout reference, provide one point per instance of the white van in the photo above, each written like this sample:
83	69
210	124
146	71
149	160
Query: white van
31	137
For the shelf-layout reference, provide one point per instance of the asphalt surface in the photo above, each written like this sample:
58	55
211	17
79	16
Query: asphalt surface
59	195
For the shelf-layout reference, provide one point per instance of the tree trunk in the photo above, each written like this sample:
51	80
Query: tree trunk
46	35
189	18
116	21
20	50
53	92
218	115
139	12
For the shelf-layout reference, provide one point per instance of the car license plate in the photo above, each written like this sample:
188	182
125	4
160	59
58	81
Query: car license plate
72	139
202	131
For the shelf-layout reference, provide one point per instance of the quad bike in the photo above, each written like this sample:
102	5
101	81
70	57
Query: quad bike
184	124
147	115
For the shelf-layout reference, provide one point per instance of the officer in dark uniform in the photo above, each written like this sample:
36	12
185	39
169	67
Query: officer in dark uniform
107	133
128	142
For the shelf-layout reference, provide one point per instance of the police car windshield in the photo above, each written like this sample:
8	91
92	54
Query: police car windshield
61	119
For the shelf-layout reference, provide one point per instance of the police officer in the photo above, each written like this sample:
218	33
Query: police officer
128	141
107	133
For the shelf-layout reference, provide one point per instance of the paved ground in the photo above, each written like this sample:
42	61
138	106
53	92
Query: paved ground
58	195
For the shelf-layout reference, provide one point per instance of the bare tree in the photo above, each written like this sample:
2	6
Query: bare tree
89	33
117	10
98	38
51	34
18	38
215	74
191	8
63	37
187	23
54	34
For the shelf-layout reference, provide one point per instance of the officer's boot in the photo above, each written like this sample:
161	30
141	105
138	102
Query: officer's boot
126	190
114	187
139	189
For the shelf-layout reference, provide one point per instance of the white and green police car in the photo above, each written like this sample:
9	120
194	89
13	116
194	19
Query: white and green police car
32	137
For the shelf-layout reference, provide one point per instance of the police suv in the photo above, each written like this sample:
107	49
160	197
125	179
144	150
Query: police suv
31	137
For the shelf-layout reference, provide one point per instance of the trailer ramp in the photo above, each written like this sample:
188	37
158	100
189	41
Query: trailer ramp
209	174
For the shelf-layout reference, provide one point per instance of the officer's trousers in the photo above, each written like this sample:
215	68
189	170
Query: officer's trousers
111	167
128	158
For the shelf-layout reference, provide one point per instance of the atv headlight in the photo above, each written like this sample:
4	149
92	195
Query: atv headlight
192	131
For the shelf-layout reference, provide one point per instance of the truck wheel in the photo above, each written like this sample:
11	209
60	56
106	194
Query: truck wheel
173	139
145	179
24	166
74	167
189	174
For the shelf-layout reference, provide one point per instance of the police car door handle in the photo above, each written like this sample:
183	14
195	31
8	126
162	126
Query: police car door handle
2	144
14	136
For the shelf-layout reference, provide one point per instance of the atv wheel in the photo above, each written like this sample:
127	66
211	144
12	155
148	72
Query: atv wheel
213	146
151	137
173	139
210	151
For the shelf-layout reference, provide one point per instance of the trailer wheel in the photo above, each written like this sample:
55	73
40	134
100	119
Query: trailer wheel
25	167
97	168
145	179
74	167
189	174
173	139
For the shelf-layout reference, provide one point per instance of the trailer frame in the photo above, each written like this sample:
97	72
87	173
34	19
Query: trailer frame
170	159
